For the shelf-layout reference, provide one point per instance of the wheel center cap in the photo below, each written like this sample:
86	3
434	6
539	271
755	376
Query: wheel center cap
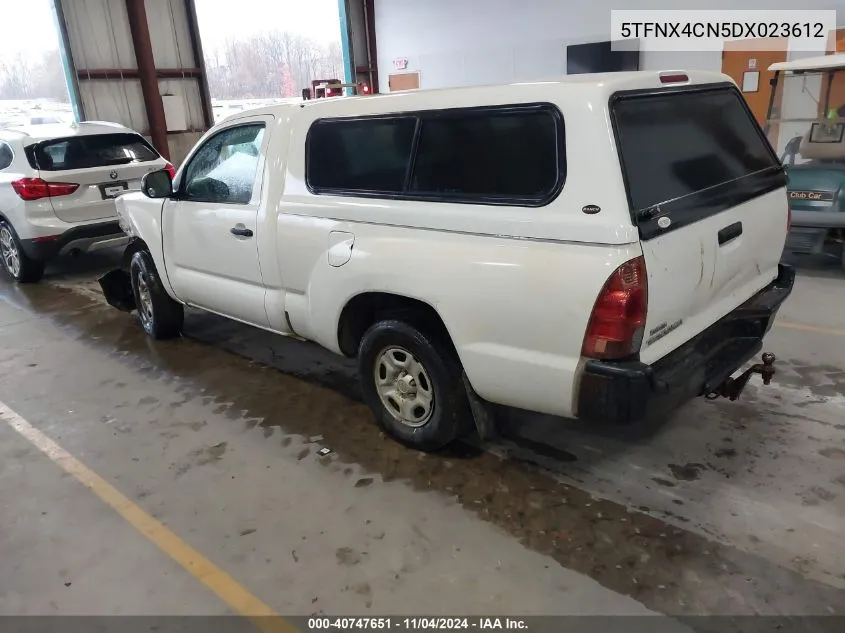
406	385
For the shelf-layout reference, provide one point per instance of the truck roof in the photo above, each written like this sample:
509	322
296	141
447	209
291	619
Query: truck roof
823	62
600	86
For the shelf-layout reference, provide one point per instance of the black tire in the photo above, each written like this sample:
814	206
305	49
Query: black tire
20	266
161	317
449	415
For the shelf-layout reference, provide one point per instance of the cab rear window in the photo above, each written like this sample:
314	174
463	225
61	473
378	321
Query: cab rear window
695	151
84	152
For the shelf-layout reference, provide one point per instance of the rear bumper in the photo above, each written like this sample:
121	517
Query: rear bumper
631	391
87	236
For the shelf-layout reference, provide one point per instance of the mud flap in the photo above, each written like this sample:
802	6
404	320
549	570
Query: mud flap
117	288
482	413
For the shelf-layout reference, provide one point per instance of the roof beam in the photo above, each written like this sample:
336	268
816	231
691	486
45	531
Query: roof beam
133	73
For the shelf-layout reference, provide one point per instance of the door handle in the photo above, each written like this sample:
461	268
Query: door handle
730	232
241	231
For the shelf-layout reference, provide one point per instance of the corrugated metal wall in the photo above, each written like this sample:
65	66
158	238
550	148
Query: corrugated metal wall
99	39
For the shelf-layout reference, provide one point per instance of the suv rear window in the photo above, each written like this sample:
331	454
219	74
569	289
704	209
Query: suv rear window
684	149
83	152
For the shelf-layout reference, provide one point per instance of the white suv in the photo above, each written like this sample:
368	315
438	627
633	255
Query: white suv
58	184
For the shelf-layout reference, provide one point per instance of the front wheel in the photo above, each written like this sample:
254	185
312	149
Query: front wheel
160	316
412	382
16	262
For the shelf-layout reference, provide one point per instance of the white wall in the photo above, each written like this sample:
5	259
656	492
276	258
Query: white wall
466	42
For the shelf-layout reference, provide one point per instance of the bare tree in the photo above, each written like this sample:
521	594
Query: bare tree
270	64
24	78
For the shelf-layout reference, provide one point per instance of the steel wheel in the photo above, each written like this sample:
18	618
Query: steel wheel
404	387
9	252
145	309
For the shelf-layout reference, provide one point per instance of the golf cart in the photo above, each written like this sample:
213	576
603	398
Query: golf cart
806	124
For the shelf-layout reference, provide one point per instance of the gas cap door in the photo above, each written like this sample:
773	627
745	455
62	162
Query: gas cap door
340	247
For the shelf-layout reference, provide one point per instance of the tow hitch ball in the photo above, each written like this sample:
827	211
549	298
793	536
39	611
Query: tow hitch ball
732	387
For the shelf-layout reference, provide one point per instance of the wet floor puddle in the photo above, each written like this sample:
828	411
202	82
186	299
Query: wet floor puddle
666	568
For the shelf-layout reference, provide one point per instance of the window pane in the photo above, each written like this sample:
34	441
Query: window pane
101	150
369	155
488	155
673	145
224	169
6	156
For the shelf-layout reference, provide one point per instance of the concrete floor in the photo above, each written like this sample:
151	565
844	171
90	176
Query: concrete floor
725	509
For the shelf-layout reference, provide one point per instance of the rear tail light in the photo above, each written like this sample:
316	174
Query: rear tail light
36	188
170	170
617	323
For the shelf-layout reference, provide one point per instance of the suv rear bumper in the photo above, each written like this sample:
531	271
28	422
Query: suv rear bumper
631	391
86	237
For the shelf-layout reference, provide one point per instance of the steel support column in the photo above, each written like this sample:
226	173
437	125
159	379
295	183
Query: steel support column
372	55
67	61
140	30
199	60
346	42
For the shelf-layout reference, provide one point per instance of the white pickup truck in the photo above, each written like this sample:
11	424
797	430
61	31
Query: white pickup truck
600	247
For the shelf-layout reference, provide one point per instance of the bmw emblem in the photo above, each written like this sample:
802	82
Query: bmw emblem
113	174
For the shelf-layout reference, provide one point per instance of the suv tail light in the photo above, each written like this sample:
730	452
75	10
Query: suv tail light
36	188
617	323
170	170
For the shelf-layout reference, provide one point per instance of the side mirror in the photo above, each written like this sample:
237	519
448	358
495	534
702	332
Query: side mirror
157	184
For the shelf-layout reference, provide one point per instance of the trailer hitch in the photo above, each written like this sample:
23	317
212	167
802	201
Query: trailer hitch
732	387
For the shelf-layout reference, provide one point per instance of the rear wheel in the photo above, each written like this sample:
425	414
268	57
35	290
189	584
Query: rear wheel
160	316
16	262
412	382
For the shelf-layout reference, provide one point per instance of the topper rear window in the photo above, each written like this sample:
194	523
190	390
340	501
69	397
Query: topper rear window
695	151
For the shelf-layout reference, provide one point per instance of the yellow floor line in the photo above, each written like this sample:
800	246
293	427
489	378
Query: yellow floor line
221	583
810	328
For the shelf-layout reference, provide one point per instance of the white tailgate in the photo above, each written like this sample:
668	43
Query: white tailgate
103	165
693	281
98	187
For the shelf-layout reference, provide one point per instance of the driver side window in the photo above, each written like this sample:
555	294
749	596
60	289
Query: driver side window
224	169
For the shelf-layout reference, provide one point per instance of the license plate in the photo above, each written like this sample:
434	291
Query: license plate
113	190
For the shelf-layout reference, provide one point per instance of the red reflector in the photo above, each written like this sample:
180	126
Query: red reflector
46	238
170	170
36	188
674	78
618	319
